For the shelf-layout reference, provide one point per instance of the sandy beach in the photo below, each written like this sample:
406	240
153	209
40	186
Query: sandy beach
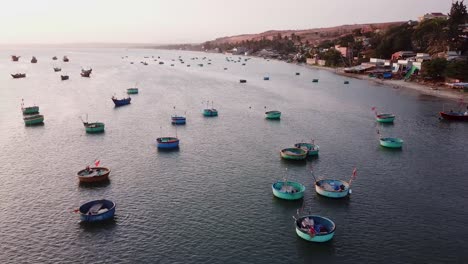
441	91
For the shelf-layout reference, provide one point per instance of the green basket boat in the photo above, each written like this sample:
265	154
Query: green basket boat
210	112
385	118
33	120
293	154
94	127
132	91
288	190
31	110
273	114
391	142
312	149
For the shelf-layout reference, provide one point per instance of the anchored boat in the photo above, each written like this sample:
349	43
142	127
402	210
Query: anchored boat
315	228
332	188
385	118
18	75
15	58
167	142
33	60
132	90
315	80
121	102
311	148
210	111
293	153
273	114
288	190
57	69
98	210
33	120
65	59
64	77
95	127
389	142
54	58
455	116
94	174
86	73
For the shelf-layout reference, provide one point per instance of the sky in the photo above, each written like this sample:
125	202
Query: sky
188	21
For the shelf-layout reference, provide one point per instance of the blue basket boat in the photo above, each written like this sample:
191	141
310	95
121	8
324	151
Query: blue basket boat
315	228
178	120
98	210
288	190
332	188
167	142
120	102
312	149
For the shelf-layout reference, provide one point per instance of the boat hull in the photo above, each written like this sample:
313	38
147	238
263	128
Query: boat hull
167	143
319	188
95	129
85	217
276	188
97	178
320	238
36	120
121	102
312	149
132	91
31	110
385	118
454	117
210	112
178	120
391	142
293	154
273	115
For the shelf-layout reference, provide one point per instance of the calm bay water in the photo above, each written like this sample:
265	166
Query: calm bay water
211	201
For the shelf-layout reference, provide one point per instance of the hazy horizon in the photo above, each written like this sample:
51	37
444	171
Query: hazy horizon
160	22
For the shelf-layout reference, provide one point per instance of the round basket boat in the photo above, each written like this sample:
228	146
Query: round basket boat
312	149
273	114
385	118
96	127
315	228
167	142
98	210
288	190
293	154
332	188
94	174
391	142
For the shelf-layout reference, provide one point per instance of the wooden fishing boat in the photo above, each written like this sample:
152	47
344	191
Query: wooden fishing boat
315	228
30	110
311	148
288	190
93	174
315	80
95	127
167	142
293	154
64	77
33	60
97	210
86	73
273	114
32	120
266	78
132	90
332	188
178	120
18	75
65	59
54	58
57	69
455	116
15	58
121	102
242	81
391	142
385	118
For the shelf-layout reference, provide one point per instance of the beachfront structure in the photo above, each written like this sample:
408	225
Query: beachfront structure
379	62
402	55
432	16
345	51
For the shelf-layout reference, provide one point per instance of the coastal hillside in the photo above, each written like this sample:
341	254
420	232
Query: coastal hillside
314	35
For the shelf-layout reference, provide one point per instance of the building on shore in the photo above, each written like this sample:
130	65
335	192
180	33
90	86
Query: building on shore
432	16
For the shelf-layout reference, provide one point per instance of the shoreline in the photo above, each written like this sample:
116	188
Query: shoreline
440	91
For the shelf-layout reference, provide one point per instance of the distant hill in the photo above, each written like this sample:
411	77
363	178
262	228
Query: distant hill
314	35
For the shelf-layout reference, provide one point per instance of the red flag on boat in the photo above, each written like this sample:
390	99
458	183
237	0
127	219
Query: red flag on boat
96	163
373	108
354	173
